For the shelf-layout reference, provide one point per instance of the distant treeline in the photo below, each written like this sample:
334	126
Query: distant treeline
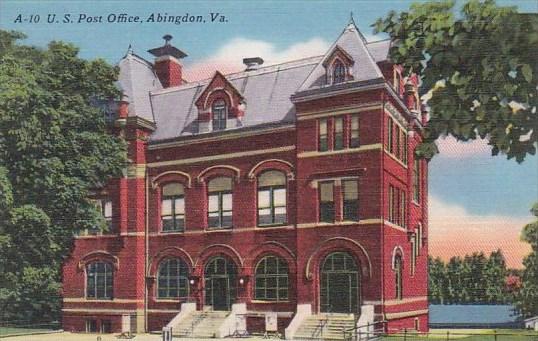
473	279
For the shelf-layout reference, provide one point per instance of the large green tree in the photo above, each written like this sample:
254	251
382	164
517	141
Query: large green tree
475	278
527	297
478	71
55	148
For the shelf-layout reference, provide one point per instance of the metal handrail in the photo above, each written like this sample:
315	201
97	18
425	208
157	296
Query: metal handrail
321	324
356	330
196	321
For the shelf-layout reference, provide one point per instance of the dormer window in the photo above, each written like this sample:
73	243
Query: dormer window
338	66
219	110
339	72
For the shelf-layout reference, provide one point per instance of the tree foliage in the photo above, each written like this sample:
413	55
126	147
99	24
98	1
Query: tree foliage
473	279
527	297
478	71
55	147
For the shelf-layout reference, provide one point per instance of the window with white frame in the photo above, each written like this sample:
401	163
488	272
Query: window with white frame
219	194
172	279
339	72
326	202
272	198
173	208
323	139
351	200
99	280
271	279
338	133
219	111
354	132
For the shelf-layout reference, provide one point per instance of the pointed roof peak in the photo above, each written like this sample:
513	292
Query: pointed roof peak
129	51
352	27
351	20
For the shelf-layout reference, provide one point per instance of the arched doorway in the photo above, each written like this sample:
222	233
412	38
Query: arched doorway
339	284
220	277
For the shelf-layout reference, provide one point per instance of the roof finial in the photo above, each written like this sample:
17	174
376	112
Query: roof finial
167	38
129	50
351	20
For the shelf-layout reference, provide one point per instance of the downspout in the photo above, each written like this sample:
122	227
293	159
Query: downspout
382	177
146	249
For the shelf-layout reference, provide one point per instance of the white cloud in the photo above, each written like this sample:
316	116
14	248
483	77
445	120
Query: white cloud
452	148
229	57
455	231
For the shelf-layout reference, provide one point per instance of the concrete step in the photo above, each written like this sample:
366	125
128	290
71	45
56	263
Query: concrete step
206	324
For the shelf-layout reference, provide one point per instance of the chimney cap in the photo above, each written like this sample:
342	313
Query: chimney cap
167	49
252	63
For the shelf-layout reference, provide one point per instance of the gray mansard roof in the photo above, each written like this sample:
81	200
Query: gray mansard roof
267	90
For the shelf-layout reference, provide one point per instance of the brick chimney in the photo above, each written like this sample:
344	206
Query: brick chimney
167	63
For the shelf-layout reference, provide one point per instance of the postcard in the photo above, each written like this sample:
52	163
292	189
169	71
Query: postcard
303	170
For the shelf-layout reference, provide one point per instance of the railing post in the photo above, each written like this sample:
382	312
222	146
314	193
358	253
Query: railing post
495	334
447	335
405	334
359	335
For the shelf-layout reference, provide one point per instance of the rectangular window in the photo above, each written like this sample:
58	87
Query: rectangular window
91	326
351	200
354	133
173	208
106	210
416	180
220	209
339	133
391	203
173	214
323	144
398	138
413	255
106	326
404	145
397	83
403	209
272	206
390	132
326	202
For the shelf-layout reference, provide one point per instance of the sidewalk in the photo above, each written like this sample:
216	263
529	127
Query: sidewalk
66	336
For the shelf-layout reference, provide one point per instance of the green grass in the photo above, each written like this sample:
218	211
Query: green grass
21	331
469	335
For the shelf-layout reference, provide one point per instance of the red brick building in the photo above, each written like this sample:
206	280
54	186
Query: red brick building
289	190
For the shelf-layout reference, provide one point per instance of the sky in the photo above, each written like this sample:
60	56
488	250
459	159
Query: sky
477	202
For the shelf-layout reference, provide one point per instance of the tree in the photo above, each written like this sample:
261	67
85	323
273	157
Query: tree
55	147
527	297
478	71
436	280
495	278
474	279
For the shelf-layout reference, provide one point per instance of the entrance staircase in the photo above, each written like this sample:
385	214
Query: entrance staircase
325	327
200	324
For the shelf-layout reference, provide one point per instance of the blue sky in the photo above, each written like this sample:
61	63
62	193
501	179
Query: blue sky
463	176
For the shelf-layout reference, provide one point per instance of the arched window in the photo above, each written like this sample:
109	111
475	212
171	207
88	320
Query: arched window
219	197
173	208
220	113
272	198
99	280
398	280
271	282
172	279
339	72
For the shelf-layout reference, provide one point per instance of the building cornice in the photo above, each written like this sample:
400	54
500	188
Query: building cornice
226	135
340	89
138	121
220	157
